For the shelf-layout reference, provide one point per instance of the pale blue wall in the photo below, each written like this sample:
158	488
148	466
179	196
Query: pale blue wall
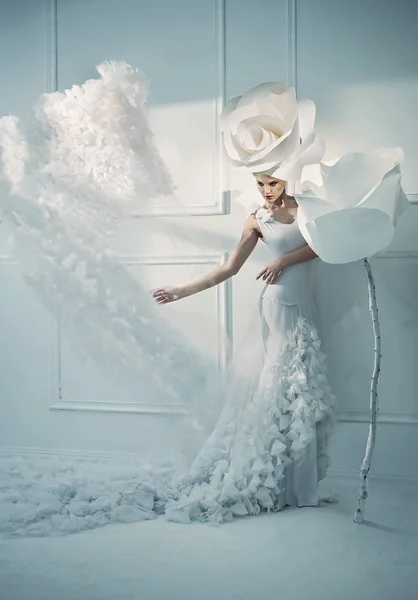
359	62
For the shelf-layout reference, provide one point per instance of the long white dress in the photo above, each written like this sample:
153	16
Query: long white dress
269	448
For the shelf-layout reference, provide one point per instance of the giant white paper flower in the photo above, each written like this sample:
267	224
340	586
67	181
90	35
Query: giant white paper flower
268	130
348	208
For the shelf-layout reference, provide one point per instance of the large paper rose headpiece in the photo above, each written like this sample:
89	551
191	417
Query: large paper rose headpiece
349	207
268	130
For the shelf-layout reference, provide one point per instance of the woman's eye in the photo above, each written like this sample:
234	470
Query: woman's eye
273	183
260	183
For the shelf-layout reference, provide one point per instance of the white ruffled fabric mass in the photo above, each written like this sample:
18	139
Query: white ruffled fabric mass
52	496
58	211
240	468
69	176
239	471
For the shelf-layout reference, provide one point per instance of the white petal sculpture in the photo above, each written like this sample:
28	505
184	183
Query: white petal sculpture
348	210
268	130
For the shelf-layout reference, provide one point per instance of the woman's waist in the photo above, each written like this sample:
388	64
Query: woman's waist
291	286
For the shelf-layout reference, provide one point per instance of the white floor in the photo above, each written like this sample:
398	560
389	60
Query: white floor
300	554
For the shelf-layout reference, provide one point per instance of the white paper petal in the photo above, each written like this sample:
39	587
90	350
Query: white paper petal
268	123
288	170
311	208
286	105
272	152
276	154
349	234
293	143
229	107
264	89
311	174
234	150
391	156
389	196
312	150
352	177
306	111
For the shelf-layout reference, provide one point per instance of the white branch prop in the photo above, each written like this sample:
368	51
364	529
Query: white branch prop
365	467
348	210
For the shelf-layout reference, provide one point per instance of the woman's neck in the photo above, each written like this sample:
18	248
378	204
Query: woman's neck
285	201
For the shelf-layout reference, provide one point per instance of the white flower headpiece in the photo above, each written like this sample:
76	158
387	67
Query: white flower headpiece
268	131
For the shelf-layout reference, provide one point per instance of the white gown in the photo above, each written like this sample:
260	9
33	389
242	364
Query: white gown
269	447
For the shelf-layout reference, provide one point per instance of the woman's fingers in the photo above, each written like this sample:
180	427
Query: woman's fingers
162	296
272	276
262	272
269	272
157	293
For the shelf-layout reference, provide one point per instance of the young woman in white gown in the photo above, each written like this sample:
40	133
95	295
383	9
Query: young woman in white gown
269	450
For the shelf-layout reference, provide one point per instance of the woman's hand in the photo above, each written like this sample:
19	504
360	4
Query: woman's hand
271	271
169	293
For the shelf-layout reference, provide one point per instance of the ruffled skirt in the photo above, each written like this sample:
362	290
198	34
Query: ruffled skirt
269	447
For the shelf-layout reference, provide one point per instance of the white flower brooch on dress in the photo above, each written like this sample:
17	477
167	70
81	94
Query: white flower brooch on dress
262	213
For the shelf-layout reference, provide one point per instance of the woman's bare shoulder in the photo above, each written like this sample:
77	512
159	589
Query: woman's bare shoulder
251	223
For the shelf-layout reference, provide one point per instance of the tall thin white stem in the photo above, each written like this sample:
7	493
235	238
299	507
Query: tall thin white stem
365	467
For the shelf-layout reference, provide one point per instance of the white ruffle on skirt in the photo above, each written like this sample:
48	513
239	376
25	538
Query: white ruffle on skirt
269	447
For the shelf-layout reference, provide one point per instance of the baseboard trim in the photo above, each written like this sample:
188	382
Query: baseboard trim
118	407
65	452
387	417
355	475
96	454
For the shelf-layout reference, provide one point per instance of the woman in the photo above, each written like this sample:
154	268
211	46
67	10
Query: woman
268	449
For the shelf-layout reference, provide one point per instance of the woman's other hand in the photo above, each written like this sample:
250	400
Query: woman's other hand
271	271
169	293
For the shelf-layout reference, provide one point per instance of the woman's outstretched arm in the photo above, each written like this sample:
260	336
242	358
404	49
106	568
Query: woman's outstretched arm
246	245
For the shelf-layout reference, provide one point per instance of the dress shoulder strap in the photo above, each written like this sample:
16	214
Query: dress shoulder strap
262	215
254	209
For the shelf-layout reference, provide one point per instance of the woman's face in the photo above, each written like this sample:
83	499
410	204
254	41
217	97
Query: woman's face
269	187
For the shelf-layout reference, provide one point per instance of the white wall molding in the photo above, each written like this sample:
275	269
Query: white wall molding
221	194
387	417
397	254
6	259
70	453
222	303
355	474
51	47
413	198
291	37
58	402
383	416
7	451
74	404
224	323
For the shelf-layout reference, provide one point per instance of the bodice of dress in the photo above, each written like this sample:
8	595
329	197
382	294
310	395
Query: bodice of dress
294	284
